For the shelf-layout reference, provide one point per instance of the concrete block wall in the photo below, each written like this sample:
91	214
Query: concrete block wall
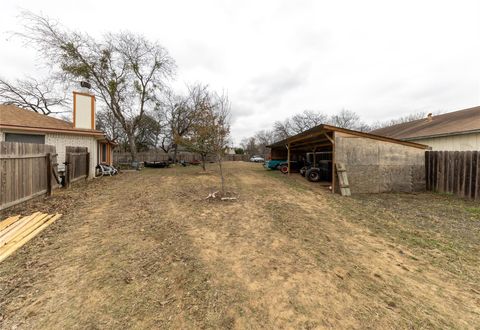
375	166
61	141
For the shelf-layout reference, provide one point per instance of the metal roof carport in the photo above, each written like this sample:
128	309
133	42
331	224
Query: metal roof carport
374	163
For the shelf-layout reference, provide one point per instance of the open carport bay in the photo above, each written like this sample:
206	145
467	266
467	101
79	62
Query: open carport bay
374	164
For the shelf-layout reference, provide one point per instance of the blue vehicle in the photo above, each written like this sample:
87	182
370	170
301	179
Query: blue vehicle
274	164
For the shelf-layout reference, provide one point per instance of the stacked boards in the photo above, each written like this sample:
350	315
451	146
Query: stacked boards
16	231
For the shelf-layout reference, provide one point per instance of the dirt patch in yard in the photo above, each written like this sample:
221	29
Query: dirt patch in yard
146	250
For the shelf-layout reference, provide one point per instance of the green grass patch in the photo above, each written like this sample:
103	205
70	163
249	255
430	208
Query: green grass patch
473	210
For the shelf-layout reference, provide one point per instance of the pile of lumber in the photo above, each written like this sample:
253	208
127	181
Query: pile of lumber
16	231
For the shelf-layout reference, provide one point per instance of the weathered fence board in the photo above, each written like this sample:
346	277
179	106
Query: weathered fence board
77	163
456	172
26	171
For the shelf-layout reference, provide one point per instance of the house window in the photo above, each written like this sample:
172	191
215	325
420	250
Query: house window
103	153
25	138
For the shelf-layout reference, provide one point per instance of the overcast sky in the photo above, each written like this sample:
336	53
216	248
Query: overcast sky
381	59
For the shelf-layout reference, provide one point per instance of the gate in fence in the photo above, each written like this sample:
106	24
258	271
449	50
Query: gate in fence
77	164
27	170
456	172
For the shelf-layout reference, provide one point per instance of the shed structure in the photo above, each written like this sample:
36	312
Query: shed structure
373	163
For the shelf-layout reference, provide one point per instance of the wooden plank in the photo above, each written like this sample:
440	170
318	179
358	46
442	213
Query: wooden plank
468	174
12	230
473	186
67	170
433	156
31	226
22	171
18	224
455	174
8	221
48	160
17	156
343	180
5	254
450	172
477	181
427	170
441	171
445	169
435	171
461	174
23	199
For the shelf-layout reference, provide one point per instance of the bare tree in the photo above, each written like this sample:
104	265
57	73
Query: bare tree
37	95
221	131
306	120
345	119
298	123
264	138
127	72
400	120
250	146
210	131
199	137
282	129
179	114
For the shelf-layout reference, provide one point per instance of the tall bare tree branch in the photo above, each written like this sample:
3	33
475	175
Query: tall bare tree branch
36	95
127	71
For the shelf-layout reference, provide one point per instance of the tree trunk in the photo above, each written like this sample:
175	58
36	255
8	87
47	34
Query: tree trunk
175	149
133	146
219	158
203	162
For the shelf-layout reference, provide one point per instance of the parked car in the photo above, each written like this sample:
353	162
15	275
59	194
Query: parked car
257	159
274	164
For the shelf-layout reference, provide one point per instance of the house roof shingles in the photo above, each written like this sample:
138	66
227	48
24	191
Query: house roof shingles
457	122
15	118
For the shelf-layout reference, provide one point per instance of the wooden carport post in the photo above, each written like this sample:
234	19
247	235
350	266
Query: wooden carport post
288	158
333	162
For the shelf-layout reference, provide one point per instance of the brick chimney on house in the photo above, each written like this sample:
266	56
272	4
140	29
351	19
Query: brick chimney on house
84	107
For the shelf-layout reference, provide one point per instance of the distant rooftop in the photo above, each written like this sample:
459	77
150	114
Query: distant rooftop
452	123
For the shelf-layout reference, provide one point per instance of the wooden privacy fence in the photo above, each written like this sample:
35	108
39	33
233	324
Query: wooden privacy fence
77	164
456	172
160	156
27	170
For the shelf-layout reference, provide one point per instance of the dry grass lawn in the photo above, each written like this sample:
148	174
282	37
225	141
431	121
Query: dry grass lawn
146	250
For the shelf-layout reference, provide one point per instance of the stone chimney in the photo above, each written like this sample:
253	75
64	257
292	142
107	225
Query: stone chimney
429	117
83	107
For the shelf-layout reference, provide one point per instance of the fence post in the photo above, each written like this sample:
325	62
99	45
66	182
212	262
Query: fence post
87	170
48	158
67	170
427	170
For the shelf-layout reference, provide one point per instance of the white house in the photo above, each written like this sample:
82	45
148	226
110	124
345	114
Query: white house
20	125
453	131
